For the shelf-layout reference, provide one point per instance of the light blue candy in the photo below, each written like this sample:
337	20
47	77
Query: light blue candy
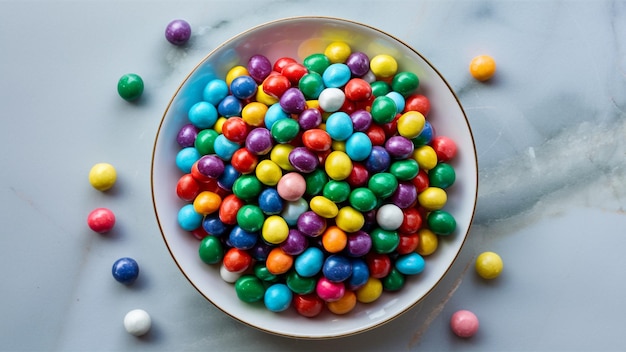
215	91
277	297
309	262
410	264
398	99
273	114
188	218
336	75
339	126
225	148
358	146
202	114
186	157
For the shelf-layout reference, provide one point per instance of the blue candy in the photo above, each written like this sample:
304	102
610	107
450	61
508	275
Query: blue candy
360	274
215	91
188	218
277	297
243	87
230	106
242	239
186	157
410	264
214	226
336	75
358	146
225	148
270	201
337	268
202	114
125	270
339	126
310	262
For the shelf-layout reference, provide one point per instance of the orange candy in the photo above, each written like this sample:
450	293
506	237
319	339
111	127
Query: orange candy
207	202
344	305
278	262
482	67
334	239
316	140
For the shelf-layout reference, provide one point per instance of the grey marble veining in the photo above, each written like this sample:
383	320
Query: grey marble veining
549	131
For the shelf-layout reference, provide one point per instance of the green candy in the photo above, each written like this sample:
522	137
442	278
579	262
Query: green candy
130	86
404	170
442	176
250	218
247	187
441	222
337	191
380	88
311	85
249	288
394	281
405	83
300	285
211	250
316	63
261	271
383	110
285	130
363	199
383	184
384	241
315	182
205	141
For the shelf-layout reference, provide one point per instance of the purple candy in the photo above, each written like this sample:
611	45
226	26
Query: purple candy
293	101
303	160
359	244
405	195
309	119
358	63
211	166
178	32
260	251
259	67
378	161
399	147
187	135
295	243
311	224
259	141
361	120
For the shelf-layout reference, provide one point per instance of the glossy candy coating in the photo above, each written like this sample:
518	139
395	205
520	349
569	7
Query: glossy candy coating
178	32
464	323
249	288
102	176
130	86
277	297
137	322
125	270
101	220
489	265
482	67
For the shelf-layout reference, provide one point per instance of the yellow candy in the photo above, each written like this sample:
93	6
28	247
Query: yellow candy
312	104
207	202
383	66
254	113
102	176
432	198
324	207
280	155
218	124
489	265
235	72
369	292
265	98
338	145
428	242
482	67
338	165
410	124
337	52
275	229
268	172
349	219
426	157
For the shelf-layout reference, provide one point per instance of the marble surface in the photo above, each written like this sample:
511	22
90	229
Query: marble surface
549	131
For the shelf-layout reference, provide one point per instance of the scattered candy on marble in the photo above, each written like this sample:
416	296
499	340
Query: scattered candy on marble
137	322
316	184
102	176
125	270
101	220
464	323
489	265
130	86
178	32
482	67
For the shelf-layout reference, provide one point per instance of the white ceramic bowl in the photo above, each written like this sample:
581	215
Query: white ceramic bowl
298	37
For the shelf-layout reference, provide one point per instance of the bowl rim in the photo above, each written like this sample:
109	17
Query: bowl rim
354	23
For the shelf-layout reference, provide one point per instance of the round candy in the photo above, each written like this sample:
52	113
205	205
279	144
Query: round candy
383	65
337	268
369	292
291	186
102	176
249	288
125	270
137	322
308	305
410	264
389	217
489	265
275	229
338	165
464	323
268	172
310	262
299	284
130	86
188	218
211	250
277	297
178	32
337	52
482	67
441	222
331	99
101	220
349	219
323	207
259	67
330	291
442	175
433	198
428	242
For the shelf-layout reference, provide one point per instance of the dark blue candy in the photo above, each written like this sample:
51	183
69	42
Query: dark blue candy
125	270
360	274
214	226
228	177
229	106
425	136
337	268
270	202
242	239
243	87
378	160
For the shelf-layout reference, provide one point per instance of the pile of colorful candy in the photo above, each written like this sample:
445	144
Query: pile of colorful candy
315	184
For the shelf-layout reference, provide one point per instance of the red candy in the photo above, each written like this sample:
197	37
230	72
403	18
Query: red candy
293	72
101	220
237	260
444	147
378	264
316	140
244	161
235	129
276	85
417	102
229	208
187	188
358	89
308	305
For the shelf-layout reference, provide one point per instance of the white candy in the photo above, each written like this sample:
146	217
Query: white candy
389	217
137	322
228	276
331	99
